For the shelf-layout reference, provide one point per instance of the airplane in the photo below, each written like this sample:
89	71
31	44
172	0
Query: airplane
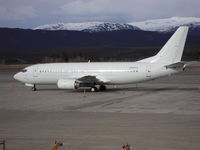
99	74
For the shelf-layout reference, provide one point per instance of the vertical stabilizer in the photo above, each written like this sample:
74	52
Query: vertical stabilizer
172	51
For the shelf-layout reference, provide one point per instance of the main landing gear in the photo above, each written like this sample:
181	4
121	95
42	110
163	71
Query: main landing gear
93	89
33	88
101	88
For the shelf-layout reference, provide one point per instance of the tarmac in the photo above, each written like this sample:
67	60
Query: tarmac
163	114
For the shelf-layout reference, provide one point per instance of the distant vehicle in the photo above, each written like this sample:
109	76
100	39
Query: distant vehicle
92	74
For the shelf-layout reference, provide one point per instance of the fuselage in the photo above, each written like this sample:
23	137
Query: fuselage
110	73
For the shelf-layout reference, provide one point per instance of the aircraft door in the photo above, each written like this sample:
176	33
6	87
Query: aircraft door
35	72
148	71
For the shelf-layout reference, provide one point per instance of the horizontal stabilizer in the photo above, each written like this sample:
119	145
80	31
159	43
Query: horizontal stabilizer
176	65
181	64
187	63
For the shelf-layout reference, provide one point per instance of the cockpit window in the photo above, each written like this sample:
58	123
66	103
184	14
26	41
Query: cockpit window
24	70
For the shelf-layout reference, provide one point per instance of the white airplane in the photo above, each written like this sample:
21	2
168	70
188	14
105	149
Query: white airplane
92	74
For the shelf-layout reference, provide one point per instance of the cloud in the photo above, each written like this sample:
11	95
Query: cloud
94	7
127	10
95	10
17	13
37	12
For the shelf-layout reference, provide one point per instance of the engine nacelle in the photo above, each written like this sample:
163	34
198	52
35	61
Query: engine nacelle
72	84
66	84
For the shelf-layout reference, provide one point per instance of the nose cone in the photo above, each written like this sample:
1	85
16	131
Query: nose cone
17	76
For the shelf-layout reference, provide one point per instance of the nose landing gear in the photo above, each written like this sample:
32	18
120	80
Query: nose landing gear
33	88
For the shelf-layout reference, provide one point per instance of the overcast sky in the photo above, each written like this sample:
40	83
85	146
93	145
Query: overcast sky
32	13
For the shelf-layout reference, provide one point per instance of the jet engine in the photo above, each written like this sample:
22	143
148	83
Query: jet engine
66	84
73	84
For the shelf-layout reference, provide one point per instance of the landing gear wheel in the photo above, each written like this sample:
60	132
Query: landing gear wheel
33	88
102	88
93	89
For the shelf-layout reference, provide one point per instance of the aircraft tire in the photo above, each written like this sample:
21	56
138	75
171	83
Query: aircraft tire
93	89
102	88
33	88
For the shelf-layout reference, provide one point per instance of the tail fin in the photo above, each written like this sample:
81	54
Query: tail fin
172	51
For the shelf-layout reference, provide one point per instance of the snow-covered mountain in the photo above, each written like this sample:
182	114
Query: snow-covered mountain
68	26
160	25
167	25
110	27
87	27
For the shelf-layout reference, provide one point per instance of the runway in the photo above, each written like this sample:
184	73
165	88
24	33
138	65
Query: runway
158	115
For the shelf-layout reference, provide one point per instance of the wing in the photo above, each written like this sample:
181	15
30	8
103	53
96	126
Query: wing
96	80
89	81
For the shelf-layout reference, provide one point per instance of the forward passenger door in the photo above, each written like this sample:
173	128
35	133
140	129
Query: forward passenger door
148	71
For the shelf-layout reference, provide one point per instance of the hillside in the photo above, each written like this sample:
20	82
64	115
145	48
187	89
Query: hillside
33	46
159	25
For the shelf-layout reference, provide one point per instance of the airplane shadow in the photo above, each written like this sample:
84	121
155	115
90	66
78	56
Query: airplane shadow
128	89
148	89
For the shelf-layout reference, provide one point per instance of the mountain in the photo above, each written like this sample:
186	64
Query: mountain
168	25
92	39
68	26
19	39
159	25
26	39
110	27
87	27
33	46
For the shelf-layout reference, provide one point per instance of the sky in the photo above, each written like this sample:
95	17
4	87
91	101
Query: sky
32	13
